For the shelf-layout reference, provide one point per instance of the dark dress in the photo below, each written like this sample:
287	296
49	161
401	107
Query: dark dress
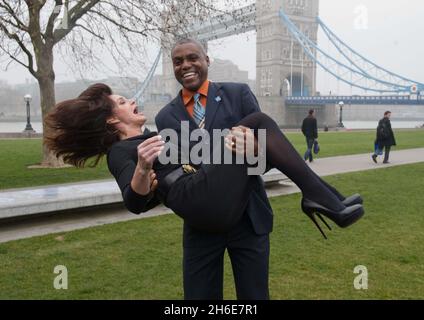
213	199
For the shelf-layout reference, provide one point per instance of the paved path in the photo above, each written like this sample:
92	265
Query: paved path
72	221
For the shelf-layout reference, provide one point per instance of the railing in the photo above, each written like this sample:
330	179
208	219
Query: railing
364	100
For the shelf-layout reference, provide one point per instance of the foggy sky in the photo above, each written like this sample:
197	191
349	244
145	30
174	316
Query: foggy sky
394	40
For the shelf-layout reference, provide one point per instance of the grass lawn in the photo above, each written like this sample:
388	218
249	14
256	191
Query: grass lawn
16	155
142	259
356	142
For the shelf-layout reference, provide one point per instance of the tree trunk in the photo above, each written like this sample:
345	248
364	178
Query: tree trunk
46	80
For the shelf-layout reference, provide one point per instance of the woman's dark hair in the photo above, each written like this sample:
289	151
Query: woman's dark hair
77	129
311	112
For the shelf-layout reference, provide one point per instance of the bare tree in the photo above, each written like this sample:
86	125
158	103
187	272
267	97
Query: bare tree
32	32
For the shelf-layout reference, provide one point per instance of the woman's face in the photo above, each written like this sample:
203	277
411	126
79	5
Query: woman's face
126	111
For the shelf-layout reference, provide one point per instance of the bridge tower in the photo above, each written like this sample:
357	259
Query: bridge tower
282	67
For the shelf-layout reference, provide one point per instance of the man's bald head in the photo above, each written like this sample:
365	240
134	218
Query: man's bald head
189	40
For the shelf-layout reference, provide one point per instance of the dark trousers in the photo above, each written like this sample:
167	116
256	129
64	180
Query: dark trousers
203	263
387	153
309	153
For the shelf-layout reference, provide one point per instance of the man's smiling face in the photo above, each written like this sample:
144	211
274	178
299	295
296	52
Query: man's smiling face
190	65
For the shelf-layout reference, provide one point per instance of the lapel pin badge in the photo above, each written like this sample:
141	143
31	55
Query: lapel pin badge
218	99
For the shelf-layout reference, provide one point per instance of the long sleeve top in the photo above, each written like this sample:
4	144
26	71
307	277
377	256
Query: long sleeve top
122	161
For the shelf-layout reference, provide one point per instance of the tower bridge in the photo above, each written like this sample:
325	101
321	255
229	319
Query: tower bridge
287	59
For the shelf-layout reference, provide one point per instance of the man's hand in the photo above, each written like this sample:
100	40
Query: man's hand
241	140
153	181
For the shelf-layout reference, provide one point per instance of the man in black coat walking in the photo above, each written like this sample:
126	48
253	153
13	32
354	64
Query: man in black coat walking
385	137
310	131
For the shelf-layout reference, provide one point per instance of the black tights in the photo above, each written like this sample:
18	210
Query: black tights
282	155
215	198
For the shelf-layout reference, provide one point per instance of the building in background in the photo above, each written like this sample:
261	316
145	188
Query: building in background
12	106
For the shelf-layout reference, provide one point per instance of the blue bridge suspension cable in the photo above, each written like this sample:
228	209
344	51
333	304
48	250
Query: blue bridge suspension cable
358	77
139	96
345	50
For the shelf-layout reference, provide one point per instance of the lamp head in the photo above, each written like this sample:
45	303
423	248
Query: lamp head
27	98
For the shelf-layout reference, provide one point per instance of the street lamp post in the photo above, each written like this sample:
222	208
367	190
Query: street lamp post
28	127
341	104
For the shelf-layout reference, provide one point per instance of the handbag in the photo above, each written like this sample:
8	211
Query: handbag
316	147
377	150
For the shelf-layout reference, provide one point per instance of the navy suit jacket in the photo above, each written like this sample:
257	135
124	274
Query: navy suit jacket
227	104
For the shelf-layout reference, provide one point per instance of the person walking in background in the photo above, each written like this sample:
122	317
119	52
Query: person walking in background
310	131
385	137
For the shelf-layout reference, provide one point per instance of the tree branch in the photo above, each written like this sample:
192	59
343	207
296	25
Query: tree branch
19	24
34	8
90	31
13	57
119	25
14	36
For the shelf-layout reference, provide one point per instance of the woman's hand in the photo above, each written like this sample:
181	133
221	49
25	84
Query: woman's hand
147	153
241	140
144	179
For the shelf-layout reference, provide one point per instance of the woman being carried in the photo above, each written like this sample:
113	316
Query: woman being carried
212	197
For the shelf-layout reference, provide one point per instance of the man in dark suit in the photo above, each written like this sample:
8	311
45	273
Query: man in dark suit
212	106
310	131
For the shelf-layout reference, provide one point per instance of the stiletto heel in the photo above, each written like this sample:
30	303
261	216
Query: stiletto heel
325	222
311	216
343	218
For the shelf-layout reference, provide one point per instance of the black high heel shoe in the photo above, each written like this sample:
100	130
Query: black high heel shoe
352	200
343	218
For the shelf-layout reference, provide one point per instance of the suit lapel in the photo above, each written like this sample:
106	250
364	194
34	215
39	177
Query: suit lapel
212	105
180	111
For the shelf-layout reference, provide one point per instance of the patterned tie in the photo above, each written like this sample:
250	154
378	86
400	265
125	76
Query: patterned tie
199	111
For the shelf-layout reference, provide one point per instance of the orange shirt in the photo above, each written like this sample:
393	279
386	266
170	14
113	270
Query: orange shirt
189	100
